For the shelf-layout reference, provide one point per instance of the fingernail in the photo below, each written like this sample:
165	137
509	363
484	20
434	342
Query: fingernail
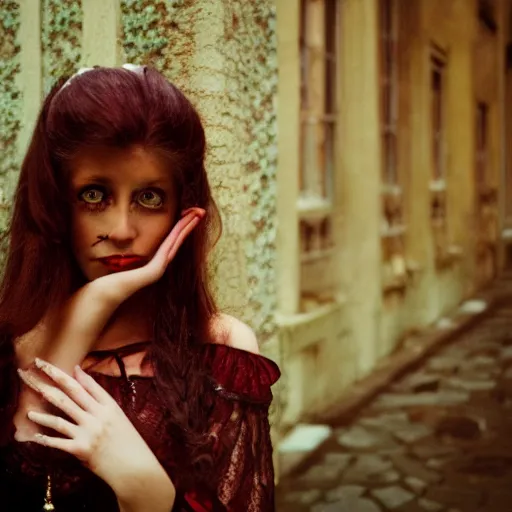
26	378
40	363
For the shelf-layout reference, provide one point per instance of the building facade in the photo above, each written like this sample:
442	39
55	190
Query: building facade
393	188
359	152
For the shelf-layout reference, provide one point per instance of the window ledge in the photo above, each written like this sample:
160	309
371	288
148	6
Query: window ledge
393	231
314	208
399	282
437	186
319	254
292	320
395	284
449	255
303	331
392	190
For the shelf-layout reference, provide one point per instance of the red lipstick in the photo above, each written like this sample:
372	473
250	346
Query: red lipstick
122	262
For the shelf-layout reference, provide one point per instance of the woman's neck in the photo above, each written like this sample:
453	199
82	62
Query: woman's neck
130	323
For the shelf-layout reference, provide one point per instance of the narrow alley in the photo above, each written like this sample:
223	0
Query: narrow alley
437	440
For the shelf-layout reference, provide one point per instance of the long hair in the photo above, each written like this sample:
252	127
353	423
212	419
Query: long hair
116	107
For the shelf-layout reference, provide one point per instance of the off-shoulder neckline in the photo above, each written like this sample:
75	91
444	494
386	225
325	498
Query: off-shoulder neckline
208	348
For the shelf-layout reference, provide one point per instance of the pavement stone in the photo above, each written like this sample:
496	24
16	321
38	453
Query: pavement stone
386	421
468	500
344	492
411	467
348	505
359	437
443	397
393	497
415	484
412	432
429	505
303	497
437	440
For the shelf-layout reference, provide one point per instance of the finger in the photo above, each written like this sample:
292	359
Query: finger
92	387
56	423
160	258
60	443
54	396
183	234
69	385
186	216
198	212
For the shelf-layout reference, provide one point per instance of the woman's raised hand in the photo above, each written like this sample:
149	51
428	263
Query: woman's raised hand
89	309
121	285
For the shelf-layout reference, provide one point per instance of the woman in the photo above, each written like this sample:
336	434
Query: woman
121	385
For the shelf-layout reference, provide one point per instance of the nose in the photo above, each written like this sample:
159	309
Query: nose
123	230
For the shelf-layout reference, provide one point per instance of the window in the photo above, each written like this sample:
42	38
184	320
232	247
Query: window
445	252
394	270
437	88
389	89
318	103
487	14
481	147
318	53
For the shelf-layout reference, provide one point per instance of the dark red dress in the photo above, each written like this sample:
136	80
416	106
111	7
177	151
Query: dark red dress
240	388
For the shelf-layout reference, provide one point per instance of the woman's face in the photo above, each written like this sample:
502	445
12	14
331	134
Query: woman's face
124	205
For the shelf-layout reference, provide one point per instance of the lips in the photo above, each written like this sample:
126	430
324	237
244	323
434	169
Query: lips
122	262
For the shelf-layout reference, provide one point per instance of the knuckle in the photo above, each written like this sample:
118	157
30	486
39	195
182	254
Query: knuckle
61	424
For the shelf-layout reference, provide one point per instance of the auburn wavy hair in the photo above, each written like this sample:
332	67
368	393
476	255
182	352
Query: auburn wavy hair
117	107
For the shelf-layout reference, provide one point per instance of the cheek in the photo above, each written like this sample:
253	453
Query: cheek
82	234
155	231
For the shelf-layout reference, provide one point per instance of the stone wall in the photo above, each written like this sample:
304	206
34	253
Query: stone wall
10	101
61	38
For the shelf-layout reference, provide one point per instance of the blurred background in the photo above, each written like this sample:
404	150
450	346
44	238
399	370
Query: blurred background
360	154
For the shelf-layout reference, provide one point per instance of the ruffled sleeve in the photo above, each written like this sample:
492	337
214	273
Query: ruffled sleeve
241	382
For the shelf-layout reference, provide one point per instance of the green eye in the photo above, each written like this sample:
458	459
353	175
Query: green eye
150	199
92	196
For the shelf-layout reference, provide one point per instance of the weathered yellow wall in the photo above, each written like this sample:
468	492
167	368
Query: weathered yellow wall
327	350
451	26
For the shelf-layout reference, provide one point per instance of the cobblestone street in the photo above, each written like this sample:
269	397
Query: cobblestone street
437	440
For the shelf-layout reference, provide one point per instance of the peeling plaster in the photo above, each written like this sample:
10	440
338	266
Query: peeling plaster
61	34
223	56
10	98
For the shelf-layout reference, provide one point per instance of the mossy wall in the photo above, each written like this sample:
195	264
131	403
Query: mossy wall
223	55
10	99
61	38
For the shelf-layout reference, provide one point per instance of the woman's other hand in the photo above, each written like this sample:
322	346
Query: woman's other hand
101	436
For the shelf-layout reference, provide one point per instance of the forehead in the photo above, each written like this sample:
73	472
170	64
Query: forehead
120	165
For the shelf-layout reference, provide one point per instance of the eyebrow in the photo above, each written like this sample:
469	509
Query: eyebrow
102	180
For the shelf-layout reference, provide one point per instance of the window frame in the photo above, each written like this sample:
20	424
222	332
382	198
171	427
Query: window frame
317	162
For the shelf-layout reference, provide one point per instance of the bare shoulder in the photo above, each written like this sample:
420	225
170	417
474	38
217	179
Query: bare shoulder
228	330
